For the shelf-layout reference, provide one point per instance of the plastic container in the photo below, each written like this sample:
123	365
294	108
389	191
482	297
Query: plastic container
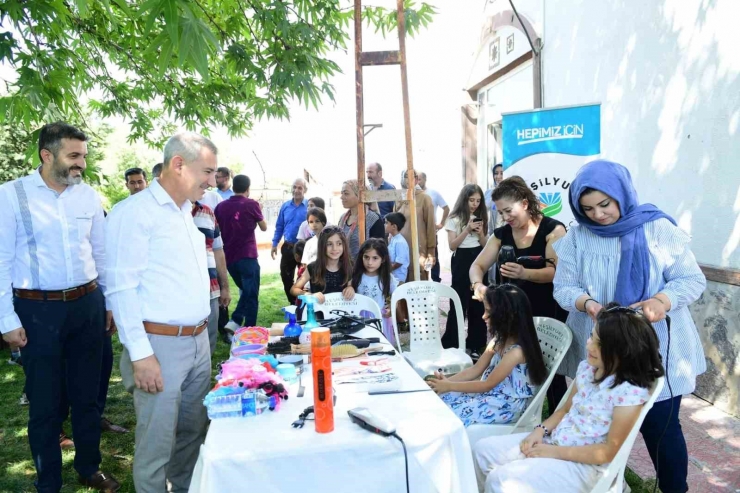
311	323
292	329
288	372
227	406
258	349
248	403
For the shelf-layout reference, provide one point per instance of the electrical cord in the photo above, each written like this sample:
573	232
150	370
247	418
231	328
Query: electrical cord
405	458
670	413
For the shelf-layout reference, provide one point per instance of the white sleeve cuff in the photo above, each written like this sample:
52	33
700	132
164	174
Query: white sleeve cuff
9	323
142	349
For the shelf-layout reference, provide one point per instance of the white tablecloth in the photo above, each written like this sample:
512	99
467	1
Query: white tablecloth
264	454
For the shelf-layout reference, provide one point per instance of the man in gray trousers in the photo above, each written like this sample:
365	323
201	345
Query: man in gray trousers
158	289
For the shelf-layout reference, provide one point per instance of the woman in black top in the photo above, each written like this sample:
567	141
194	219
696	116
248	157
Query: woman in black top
531	234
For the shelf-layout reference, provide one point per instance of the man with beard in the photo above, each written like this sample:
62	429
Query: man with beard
52	264
292	214
159	290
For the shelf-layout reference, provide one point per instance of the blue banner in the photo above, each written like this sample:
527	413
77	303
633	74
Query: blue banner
575	131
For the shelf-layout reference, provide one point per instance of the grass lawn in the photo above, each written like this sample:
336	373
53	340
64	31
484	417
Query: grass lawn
17	471
16	467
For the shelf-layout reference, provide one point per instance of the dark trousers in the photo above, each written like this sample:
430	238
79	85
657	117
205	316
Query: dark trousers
106	368
435	269
472	309
65	344
671	459
246	275
223	318
288	266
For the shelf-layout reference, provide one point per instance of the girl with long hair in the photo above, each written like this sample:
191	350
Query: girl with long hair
466	233
332	270
372	278
570	450
497	389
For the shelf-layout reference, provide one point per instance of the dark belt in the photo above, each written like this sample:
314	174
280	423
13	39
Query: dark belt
70	294
175	330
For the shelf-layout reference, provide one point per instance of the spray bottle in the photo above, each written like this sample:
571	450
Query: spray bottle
308	301
292	329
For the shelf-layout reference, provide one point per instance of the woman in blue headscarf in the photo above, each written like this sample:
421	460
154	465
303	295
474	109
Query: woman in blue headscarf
634	254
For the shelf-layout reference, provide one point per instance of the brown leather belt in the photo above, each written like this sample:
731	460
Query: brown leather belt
71	294
175	330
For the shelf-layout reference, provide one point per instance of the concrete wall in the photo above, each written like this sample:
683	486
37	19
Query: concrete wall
717	316
668	76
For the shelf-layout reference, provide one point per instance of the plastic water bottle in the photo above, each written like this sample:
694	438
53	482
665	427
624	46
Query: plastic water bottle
225	406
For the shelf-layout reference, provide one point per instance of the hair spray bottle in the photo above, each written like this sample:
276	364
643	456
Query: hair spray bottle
323	402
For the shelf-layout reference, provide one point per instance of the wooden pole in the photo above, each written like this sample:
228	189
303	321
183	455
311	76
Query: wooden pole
410	182
360	120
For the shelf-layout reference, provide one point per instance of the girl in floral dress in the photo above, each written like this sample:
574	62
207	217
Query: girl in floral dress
497	389
569	450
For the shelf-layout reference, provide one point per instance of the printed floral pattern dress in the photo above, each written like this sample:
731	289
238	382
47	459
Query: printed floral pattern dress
502	404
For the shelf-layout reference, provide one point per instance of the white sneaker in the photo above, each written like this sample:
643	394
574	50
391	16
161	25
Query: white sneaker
232	326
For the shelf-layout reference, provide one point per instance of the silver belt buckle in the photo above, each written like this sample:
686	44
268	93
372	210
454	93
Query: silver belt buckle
64	293
204	321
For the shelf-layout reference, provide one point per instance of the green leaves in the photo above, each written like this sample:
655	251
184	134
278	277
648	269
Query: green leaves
165	63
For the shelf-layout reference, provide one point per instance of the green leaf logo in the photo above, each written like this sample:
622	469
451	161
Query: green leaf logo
553	203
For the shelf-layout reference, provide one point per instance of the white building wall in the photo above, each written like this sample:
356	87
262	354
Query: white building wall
668	76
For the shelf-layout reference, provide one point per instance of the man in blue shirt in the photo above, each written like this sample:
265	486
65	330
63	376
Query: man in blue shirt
376	182
223	183
292	214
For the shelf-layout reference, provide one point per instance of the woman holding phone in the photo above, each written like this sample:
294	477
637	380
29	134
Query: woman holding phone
531	235
466	232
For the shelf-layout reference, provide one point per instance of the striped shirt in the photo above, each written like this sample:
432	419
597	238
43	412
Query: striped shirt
206	223
589	264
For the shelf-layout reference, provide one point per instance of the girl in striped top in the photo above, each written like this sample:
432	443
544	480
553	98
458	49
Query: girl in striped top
634	254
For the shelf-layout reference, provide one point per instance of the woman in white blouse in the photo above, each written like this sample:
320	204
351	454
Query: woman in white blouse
635	255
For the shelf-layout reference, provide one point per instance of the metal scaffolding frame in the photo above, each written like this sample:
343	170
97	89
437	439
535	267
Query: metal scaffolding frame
371	58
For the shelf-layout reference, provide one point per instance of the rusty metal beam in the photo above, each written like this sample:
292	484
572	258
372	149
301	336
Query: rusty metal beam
380	58
369	196
409	148
359	101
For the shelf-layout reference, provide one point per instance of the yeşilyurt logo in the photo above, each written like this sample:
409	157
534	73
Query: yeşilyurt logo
553	203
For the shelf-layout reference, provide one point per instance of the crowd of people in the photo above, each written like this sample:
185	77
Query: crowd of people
156	271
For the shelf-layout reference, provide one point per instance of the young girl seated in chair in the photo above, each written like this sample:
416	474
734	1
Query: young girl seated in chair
569	450
499	386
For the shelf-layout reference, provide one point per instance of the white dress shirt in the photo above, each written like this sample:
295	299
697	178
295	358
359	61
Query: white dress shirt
158	268
50	241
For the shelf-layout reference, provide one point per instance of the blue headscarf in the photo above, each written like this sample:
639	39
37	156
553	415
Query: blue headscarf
615	181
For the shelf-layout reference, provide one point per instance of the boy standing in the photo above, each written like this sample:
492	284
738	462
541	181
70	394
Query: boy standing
398	248
238	217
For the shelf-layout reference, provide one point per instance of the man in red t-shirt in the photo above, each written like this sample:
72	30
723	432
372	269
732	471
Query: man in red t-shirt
238	216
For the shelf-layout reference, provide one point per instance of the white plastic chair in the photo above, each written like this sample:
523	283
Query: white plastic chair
426	354
554	338
335	301
612	479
